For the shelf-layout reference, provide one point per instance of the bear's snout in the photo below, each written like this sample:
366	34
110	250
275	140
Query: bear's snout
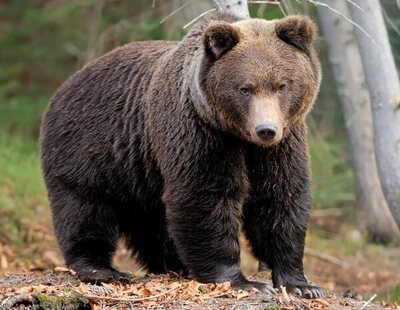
266	132
266	121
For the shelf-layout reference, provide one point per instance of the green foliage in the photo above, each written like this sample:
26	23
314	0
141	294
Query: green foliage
391	15
22	193
42	42
333	181
393	295
20	116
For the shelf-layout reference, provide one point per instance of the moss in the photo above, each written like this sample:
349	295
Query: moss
70	302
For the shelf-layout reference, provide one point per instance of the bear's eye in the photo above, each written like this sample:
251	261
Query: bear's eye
245	91
283	87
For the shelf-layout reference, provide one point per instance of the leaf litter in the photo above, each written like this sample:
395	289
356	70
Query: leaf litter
162	292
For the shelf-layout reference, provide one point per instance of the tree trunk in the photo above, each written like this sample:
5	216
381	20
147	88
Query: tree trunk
384	89
236	7
345	58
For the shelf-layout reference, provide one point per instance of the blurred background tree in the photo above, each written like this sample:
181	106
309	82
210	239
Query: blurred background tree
345	59
42	42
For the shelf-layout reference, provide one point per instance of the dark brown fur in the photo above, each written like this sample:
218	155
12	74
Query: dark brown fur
154	142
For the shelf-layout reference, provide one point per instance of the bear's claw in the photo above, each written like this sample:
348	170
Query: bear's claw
306	291
104	275
255	286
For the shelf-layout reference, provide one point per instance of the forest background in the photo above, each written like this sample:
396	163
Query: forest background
42	42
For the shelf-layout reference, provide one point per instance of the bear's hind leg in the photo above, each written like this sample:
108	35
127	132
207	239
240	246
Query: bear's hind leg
86	232
147	237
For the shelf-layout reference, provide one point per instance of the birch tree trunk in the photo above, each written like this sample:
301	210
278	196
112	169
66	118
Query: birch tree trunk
237	7
384	89
345	58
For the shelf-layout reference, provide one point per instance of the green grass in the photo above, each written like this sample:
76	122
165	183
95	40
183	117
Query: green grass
22	192
392	295
20	117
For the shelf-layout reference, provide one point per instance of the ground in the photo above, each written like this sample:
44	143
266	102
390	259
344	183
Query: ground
167	291
337	258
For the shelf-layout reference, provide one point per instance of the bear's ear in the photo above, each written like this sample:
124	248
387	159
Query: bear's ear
219	38
299	31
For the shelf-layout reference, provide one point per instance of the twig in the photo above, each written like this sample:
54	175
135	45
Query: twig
154	4
219	295
132	299
219	7
365	305
282	9
176	11
327	258
355	5
344	17
284	293
4	301
288	6
198	17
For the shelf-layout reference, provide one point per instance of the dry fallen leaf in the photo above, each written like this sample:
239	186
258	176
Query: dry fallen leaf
322	302
64	269
61	269
242	294
24	290
3	262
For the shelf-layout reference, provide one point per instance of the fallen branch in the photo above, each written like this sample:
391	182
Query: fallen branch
10	302
326	258
43	301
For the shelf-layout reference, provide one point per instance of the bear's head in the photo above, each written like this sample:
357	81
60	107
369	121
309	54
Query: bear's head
258	78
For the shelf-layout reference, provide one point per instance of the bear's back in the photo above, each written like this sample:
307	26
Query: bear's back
96	117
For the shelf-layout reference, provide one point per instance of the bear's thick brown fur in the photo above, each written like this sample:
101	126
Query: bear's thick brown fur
176	146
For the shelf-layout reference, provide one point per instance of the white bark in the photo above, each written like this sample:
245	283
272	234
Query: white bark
236	7
347	67
384	89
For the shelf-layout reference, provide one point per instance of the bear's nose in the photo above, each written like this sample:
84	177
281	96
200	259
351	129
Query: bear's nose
266	131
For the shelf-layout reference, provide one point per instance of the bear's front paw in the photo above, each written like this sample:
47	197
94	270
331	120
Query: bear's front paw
305	291
254	286
295	282
104	275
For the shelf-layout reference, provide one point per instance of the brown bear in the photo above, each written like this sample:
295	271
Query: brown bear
179	146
